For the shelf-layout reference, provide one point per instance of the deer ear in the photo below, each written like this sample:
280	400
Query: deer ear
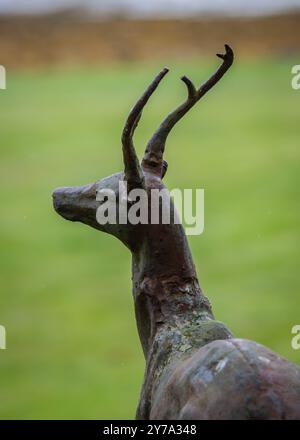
165	167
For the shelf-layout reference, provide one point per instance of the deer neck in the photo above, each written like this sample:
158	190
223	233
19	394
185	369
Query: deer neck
169	304
165	285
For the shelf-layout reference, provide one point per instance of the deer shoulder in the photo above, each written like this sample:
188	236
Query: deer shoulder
229	379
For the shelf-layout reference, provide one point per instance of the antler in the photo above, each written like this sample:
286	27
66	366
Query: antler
153	157
133	172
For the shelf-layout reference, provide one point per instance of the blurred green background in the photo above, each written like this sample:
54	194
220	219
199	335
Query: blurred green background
72	347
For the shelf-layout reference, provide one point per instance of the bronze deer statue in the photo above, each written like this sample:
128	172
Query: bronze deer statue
195	368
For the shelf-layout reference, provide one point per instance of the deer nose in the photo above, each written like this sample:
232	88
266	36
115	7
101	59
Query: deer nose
59	195
74	202
63	202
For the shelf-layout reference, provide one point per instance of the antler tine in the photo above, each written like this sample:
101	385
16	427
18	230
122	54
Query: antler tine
153	157
133	172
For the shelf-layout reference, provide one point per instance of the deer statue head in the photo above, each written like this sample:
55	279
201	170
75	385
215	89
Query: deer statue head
194	366
80	203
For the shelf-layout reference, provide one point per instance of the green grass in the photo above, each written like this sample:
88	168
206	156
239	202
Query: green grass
73	351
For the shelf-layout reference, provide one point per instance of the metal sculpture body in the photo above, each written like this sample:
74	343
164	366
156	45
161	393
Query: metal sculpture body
195	368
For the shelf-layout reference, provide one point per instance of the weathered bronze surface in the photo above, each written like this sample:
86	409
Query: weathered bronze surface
195	369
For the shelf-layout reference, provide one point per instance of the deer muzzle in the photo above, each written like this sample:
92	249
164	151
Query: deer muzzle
76	203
